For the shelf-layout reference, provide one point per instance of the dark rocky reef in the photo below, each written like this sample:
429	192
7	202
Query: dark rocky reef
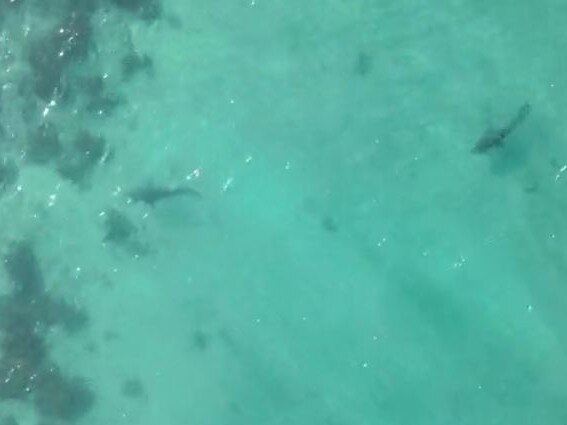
61	397
121	231
148	10
43	144
75	159
329	224
7	7
118	227
134	63
8	420
200	340
50	55
58	86
26	315
82	156
99	101
133	388
363	64
8	174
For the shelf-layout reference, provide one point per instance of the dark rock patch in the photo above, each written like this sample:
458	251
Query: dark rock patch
80	159
8	420
329	224
93	86
84	6
103	105
99	102
61	397
23	271
91	347
148	10
29	303
121	231
363	64
118	227
133	388
8	174
23	354
133	63
51	54
200	340
110	335
26	315
43	144
6	7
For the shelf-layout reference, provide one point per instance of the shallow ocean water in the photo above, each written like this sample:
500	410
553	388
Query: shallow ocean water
341	257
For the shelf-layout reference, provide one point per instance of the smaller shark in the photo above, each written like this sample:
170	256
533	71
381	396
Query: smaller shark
153	194
495	137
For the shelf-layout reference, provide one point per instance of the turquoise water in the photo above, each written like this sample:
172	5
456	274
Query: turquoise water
268	212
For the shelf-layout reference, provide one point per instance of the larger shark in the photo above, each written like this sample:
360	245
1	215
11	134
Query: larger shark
494	137
151	194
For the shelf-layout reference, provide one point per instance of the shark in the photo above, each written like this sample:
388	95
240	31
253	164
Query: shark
151	194
495	137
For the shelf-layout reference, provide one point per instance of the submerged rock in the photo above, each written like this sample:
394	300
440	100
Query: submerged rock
9	173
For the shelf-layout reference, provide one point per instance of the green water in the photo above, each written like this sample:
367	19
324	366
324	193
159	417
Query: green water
349	260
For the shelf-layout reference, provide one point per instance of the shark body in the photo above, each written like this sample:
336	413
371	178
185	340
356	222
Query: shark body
495	137
151	195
